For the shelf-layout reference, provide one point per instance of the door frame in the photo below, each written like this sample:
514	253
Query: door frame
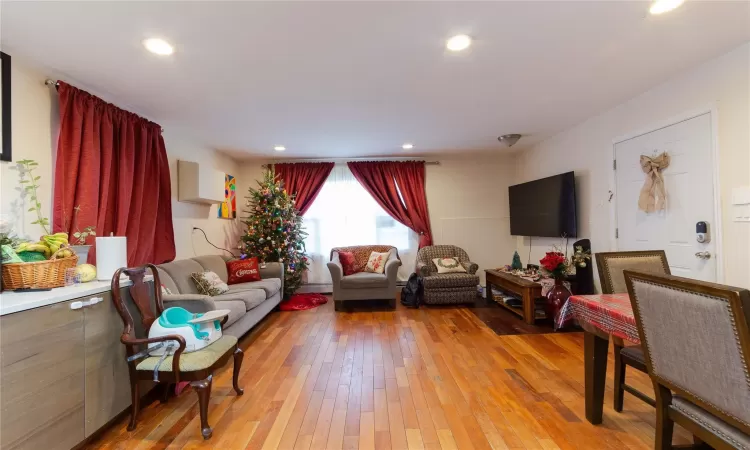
716	226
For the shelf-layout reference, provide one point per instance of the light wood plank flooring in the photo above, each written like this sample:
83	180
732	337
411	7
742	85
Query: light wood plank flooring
409	379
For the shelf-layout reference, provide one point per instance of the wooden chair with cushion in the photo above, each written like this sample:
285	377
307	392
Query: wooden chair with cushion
196	367
611	266
696	338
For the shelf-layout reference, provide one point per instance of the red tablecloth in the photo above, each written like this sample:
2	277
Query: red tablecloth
610	313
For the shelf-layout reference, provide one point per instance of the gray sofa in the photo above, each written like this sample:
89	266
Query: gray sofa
364	285
248	303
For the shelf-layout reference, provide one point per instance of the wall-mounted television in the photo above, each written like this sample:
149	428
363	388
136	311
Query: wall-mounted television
545	207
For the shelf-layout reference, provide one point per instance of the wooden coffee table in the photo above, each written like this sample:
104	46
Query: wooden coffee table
529	291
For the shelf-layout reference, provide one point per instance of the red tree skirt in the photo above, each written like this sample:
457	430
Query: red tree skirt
299	302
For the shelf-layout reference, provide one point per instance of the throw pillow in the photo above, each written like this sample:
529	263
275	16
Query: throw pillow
165	290
448	265
243	270
376	263
208	283
348	263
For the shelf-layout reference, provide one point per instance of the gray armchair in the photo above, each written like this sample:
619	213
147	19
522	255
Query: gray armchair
447	288
364	285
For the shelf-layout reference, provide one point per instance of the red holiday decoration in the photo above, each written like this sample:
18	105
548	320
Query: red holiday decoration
298	302
243	270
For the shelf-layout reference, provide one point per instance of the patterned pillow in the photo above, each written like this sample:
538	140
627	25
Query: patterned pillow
348	263
208	283
448	265
376	263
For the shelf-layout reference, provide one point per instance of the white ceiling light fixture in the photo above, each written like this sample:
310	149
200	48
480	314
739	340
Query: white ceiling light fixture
158	46
407	146
509	139
458	43
279	148
662	6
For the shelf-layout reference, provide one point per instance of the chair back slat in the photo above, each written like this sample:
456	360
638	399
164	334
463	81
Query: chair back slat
141	296
611	266
696	340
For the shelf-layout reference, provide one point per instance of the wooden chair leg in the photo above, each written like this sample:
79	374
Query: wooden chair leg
664	424
135	398
238	355
203	389
165	394
619	392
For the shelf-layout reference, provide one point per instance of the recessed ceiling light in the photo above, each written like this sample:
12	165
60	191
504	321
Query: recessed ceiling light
158	46
662	6
458	43
407	146
279	148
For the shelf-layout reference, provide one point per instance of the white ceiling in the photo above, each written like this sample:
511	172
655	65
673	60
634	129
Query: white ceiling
344	79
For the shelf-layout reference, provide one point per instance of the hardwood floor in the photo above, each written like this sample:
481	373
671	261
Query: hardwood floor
404	379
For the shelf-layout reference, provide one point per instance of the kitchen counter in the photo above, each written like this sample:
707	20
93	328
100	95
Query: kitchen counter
13	302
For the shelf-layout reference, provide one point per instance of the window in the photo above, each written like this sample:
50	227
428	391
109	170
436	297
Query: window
345	214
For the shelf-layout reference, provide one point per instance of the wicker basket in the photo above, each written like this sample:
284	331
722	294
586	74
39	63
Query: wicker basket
38	275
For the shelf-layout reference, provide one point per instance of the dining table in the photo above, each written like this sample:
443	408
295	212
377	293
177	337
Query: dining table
602	316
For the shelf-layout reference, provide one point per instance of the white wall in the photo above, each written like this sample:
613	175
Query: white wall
35	122
221	232
723	83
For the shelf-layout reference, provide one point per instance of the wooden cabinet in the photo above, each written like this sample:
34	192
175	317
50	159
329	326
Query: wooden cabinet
42	378
63	373
107	383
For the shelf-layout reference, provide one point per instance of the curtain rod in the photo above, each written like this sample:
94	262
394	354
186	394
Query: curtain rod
426	163
56	84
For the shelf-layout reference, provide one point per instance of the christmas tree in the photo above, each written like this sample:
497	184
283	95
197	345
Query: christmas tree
516	265
274	230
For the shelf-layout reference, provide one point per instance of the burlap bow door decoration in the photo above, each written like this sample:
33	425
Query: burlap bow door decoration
653	194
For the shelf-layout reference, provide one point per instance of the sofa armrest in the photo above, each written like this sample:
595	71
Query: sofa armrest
337	270
391	268
273	270
470	267
423	269
195	303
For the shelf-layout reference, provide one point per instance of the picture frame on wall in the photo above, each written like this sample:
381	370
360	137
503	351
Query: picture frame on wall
6	153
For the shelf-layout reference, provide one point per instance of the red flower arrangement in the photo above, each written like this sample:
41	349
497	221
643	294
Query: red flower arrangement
555	264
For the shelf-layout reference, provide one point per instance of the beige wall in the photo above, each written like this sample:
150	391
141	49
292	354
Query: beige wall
723	83
35	126
468	201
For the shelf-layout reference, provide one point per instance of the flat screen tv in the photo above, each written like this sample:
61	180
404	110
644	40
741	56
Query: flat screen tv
545	207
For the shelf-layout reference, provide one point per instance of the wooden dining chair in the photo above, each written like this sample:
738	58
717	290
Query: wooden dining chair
696	338
196	367
611	266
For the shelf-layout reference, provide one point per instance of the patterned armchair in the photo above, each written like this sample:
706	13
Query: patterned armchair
447	288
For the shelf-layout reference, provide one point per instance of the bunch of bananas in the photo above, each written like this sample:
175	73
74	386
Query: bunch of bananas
48	245
55	241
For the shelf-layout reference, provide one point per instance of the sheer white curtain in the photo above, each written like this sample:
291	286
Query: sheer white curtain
345	214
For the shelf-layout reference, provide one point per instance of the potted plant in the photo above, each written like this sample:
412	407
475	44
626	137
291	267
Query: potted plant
556	266
80	237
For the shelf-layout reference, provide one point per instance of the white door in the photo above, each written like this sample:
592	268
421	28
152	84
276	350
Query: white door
689	183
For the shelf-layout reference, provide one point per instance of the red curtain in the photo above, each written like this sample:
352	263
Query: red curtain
305	180
399	188
111	166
